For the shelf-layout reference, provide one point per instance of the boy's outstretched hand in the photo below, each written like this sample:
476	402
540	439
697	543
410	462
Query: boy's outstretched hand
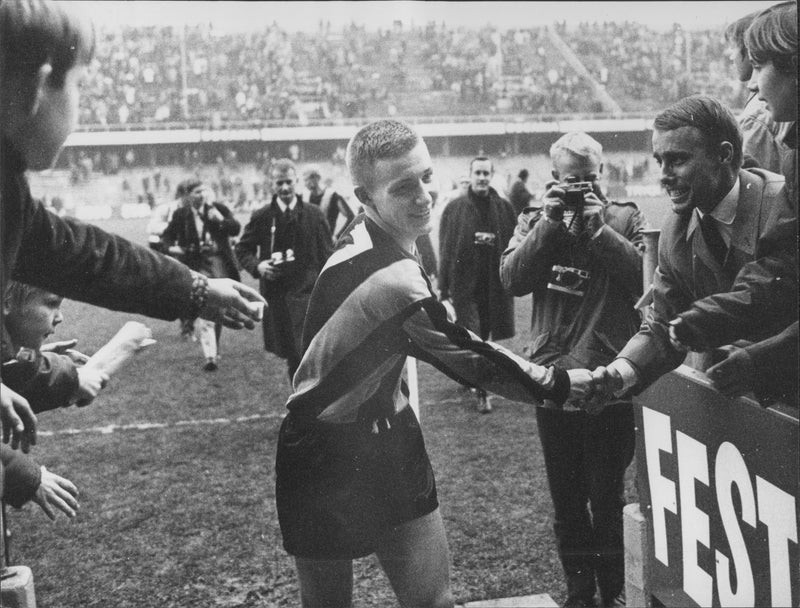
56	491
90	382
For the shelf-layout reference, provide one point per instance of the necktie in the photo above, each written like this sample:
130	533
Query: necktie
714	241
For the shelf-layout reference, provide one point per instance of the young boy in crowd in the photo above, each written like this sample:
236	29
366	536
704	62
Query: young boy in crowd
45	50
47	379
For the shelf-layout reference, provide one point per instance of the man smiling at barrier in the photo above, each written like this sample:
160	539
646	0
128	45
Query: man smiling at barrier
720	213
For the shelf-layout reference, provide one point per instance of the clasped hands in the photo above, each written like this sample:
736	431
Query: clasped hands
595	388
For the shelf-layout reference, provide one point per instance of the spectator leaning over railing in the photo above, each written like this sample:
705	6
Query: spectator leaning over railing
44	51
762	143
721	214
762	303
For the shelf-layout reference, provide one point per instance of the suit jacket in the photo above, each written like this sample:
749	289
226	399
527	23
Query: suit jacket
687	271
47	380
182	229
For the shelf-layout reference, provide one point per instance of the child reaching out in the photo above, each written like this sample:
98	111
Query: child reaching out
48	379
24	480
45	50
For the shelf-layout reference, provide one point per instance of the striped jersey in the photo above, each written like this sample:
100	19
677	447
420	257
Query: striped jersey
372	306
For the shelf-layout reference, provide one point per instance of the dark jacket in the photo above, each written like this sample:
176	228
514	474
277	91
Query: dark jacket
571	330
47	380
687	271
459	258
21	476
762	303
82	262
307	234
182	230
519	196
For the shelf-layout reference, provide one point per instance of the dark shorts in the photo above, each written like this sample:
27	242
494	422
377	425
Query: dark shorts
340	487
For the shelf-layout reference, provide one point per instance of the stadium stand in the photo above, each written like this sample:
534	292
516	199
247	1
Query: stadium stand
144	76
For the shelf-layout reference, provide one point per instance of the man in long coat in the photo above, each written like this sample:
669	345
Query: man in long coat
285	245
473	231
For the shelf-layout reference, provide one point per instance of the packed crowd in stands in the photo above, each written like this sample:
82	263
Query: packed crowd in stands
641	68
144	75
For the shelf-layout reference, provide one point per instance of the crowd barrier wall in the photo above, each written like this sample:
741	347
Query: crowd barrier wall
718	516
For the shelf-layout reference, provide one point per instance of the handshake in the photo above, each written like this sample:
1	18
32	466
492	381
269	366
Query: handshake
594	388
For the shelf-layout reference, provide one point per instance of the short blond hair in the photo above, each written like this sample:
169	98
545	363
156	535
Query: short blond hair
379	140
579	145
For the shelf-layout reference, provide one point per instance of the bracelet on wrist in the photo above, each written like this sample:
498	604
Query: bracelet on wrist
199	293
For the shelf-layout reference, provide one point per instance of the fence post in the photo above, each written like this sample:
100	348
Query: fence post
637	592
413	384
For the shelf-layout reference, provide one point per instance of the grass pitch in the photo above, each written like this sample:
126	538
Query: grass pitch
182	513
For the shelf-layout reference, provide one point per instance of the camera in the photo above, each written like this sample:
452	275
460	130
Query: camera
567	279
574	198
282	257
485	239
575	193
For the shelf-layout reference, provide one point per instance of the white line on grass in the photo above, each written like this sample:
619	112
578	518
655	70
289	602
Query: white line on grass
145	426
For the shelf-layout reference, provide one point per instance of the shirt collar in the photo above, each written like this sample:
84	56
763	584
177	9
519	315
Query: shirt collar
724	212
282	206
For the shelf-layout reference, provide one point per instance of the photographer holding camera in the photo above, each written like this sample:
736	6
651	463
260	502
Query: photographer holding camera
578	255
199	235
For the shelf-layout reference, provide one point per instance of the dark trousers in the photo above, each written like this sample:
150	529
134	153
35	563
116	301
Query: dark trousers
585	458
